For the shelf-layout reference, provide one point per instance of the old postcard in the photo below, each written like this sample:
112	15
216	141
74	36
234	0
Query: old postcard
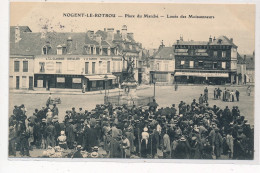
132	80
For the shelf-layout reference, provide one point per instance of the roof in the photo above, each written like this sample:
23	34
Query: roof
31	43
221	40
240	60
250	62
224	41
192	43
165	52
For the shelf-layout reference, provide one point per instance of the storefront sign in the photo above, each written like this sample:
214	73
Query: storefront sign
60	79
76	80
201	74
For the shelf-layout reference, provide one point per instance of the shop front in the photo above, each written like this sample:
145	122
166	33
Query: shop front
214	78
58	81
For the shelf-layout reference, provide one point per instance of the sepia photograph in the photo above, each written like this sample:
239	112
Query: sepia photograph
131	81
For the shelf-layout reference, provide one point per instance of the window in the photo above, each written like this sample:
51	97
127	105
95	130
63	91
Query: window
58	67
215	65
200	63
223	65
45	50
158	66
25	66
223	54
191	64
16	66
160	77
59	50
108	66
42	64
166	67
215	53
86	67
94	84
93	67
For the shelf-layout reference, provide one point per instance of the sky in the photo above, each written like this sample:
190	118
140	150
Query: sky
235	21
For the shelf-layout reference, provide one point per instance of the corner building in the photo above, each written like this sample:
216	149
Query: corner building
213	61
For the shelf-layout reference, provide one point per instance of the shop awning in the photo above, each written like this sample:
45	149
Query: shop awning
109	76
201	74
94	77
100	77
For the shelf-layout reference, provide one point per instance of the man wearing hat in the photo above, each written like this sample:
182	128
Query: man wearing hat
130	136
182	149
51	133
70	134
78	154
55	110
12	139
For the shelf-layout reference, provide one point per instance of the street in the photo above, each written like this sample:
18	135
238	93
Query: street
165	96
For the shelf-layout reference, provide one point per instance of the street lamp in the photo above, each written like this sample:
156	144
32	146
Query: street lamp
106	78
154	81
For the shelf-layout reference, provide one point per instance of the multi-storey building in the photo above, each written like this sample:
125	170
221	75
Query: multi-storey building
213	61
250	68
21	62
162	65
70	60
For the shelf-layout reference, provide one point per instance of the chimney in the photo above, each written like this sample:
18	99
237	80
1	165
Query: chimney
210	39
98	39
214	39
44	31
231	40
124	32
244	57
181	38
105	29
69	45
17	34
178	41
118	31
131	35
110	34
90	34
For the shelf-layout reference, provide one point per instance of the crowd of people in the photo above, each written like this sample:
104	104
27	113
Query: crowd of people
188	131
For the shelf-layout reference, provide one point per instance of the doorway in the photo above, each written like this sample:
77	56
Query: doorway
30	82
68	82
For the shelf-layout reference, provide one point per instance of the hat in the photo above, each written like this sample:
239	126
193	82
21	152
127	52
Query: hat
44	120
94	154
194	138
145	129
79	147
95	148
182	138
196	130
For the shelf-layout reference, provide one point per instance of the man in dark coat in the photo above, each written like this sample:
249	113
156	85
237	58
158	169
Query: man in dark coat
70	134
182	149
51	133
55	110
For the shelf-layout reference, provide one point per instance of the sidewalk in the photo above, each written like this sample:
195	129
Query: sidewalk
54	91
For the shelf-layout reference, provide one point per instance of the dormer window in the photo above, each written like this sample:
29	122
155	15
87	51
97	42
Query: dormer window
46	49
59	50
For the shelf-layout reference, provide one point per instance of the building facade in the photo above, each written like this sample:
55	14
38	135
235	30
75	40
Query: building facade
71	60
213	61
21	72
162	65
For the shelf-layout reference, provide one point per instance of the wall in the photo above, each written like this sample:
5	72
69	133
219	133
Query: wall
23	76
